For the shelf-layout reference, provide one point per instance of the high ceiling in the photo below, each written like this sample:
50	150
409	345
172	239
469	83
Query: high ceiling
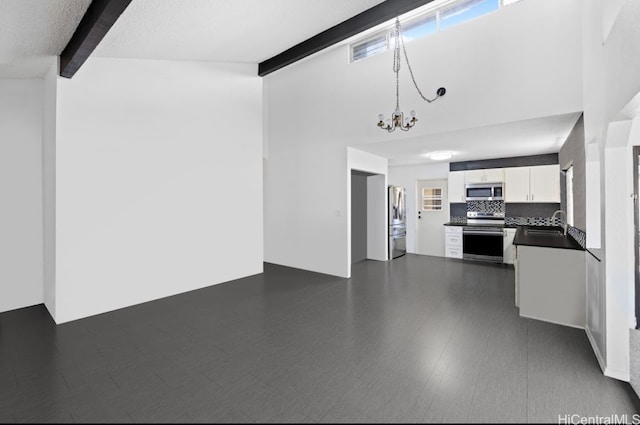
250	31
31	31
221	30
210	30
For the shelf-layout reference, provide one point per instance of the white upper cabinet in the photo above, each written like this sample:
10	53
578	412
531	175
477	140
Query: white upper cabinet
539	183
544	182
490	175
456	186
516	184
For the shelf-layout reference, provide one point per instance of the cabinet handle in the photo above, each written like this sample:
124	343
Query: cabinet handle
532	196
527	196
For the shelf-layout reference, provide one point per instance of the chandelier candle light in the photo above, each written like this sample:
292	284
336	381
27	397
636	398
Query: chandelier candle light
398	119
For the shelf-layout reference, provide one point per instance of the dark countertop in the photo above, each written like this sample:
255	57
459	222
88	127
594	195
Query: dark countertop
563	241
461	224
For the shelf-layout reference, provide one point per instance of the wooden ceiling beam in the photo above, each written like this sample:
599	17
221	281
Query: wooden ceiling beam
96	22
376	15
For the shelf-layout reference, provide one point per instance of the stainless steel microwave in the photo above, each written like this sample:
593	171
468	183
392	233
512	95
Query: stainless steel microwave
484	191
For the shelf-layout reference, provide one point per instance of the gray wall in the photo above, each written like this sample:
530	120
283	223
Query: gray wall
573	151
358	217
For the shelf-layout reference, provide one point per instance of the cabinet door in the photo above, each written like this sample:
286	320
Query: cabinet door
474	176
544	183
509	254
494	175
456	186
516	184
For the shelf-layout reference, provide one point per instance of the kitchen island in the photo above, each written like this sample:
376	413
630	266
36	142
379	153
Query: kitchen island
550	276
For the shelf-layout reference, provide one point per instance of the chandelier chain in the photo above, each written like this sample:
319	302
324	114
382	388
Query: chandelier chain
397	60
404	51
398	119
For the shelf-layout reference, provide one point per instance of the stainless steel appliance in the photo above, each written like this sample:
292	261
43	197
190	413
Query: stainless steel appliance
484	191
397	221
482	237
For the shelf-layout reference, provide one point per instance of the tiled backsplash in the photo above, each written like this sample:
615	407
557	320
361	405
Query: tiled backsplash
532	221
486	206
529	214
578	235
457	219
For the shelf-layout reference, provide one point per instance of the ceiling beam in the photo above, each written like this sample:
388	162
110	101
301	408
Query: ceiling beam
96	22
376	15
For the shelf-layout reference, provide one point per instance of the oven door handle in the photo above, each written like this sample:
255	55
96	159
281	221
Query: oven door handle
481	233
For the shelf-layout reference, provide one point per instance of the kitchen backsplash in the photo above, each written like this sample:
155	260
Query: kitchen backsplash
532	221
486	206
578	235
531	214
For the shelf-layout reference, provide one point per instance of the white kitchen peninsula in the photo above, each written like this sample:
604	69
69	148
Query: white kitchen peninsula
551	280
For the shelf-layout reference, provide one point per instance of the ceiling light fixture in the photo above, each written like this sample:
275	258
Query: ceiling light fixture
397	119
439	156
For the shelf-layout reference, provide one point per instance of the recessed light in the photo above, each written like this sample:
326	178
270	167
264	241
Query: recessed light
439	155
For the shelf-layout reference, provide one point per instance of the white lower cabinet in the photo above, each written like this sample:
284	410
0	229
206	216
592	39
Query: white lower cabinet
551	285
453	241
509	250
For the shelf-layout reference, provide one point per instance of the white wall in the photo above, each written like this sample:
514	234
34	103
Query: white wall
498	68
21	261
611	79
407	176
49	185
377	218
619	266
158	181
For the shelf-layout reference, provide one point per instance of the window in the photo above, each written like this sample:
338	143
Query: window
431	199
430	20
369	47
569	191
418	28
465	11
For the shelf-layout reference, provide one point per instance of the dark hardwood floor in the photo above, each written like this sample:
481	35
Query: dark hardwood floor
417	339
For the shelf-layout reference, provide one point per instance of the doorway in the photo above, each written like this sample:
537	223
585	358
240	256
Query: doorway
358	216
433	212
368	221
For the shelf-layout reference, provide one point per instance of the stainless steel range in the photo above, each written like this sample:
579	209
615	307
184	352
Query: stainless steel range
482	237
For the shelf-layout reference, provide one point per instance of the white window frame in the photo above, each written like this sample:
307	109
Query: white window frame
432	198
408	20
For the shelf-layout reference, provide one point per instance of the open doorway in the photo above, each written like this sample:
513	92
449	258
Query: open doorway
358	215
368	216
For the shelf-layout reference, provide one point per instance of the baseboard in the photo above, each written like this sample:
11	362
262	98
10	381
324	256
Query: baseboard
596	350
617	374
551	321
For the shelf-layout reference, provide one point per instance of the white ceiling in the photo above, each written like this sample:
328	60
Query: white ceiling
221	30
33	31
519	138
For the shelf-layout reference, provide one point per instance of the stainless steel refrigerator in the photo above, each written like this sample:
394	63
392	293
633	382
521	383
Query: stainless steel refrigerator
397	221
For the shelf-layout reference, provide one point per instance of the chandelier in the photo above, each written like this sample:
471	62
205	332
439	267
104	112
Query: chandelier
398	119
